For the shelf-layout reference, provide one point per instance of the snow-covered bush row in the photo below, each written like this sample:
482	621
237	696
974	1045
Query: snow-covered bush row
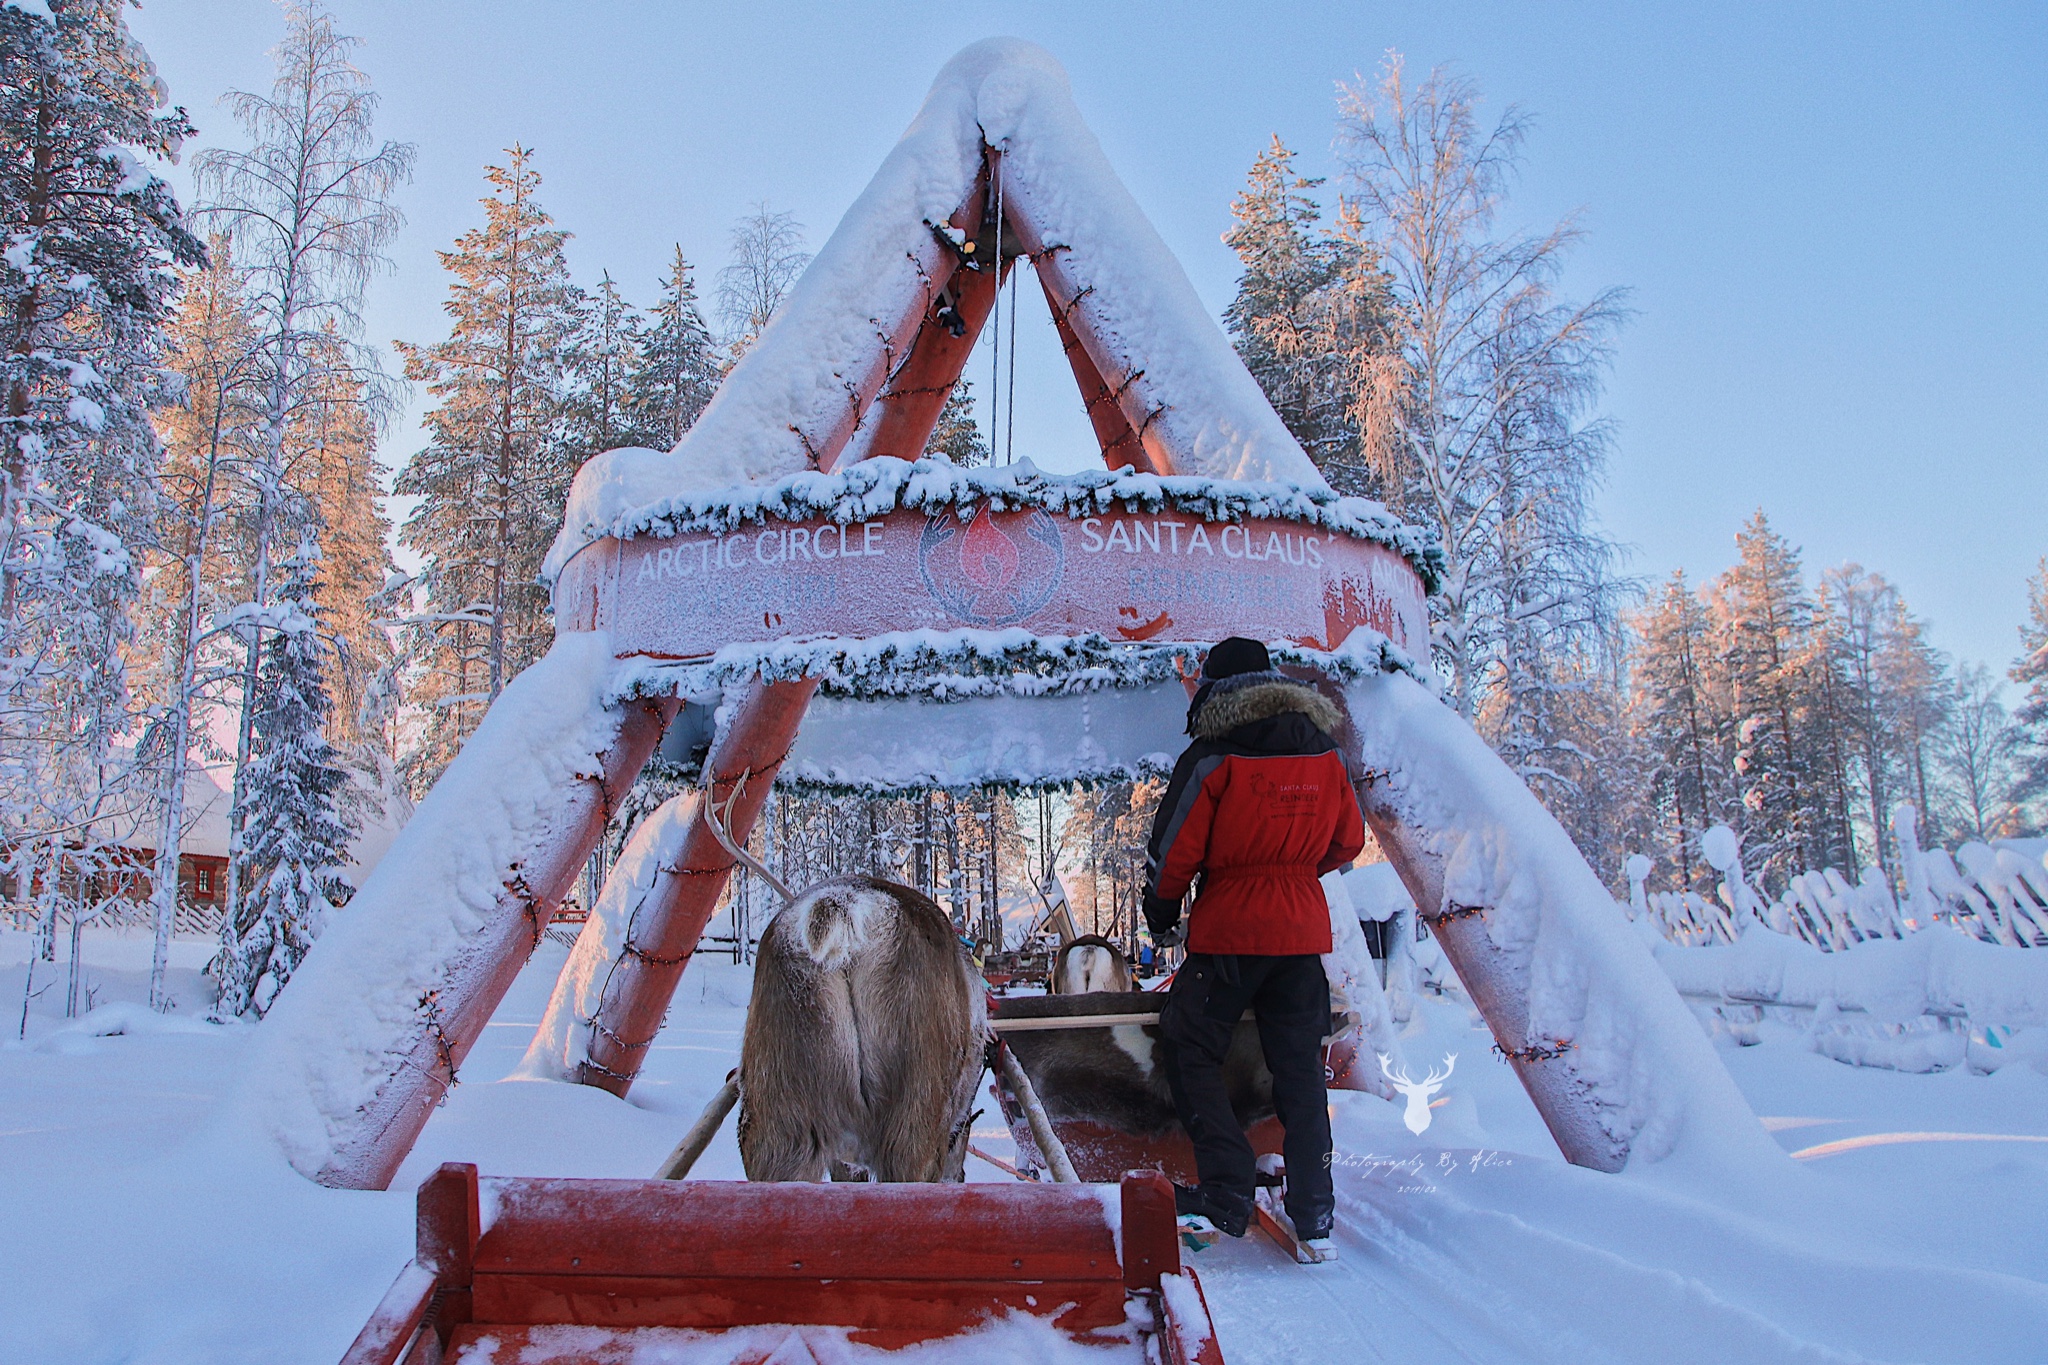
1996	892
954	664
875	487
1921	981
1933	1000
1936	971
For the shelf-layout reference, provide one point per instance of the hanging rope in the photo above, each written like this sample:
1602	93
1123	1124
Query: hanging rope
1010	402
995	365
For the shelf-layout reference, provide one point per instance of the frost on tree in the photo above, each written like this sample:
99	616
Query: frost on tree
88	238
804	473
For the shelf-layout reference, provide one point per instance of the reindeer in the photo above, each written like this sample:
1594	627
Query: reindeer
864	1036
1089	963
1418	1092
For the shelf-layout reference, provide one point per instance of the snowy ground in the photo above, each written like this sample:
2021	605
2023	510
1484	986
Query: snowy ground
134	1232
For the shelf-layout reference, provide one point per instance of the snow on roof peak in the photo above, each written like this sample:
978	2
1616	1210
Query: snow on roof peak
797	396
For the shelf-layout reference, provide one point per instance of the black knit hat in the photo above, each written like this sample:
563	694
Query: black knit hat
1234	656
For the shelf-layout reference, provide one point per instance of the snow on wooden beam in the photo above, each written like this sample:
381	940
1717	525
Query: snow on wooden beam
367	1037
666	923
1121	448
1612	1058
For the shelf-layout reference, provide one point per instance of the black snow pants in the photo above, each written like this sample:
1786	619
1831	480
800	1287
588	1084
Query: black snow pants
1291	1000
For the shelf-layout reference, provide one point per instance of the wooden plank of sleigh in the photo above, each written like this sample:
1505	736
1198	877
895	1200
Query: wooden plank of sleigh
895	1264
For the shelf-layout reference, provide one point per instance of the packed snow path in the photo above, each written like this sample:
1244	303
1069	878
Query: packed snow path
136	1235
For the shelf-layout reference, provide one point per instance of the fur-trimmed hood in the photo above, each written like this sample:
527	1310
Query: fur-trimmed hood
1249	697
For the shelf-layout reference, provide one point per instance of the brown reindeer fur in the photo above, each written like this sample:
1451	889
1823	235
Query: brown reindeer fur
1114	1076
864	1039
1070	976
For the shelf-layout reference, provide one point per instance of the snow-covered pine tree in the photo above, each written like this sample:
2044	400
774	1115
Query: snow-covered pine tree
1309	304
338	424
1891	688
1681	715
956	435
1763	627
309	206
602	359
1832	714
494	475
2030	671
296	827
678	366
87	236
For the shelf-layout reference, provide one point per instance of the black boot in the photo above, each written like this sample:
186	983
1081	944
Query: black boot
1228	1211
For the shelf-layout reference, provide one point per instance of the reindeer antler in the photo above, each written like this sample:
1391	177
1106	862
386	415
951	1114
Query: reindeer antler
1450	1065
720	832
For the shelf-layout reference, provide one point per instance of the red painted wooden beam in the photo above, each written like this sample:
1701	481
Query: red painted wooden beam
474	983
753	744
902	418
1121	448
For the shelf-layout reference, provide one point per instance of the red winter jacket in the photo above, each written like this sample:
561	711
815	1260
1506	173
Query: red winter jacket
1260	806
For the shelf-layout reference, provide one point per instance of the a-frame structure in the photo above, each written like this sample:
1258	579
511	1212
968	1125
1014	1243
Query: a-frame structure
997	169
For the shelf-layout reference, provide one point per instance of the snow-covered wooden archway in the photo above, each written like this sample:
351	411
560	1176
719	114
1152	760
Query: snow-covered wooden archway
806	442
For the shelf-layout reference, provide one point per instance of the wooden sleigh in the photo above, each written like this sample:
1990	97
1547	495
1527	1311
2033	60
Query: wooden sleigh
634	1262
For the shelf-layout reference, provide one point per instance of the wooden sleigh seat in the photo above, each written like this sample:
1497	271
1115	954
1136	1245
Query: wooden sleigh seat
502	1265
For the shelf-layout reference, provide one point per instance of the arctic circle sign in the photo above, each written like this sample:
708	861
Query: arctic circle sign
1127	576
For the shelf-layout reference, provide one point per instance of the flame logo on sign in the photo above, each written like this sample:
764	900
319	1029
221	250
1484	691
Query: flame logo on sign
994	569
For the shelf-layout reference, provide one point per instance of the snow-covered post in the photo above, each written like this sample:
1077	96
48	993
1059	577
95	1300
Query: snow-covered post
365	1039
667	922
1723	852
1921	902
1638	870
1607	1050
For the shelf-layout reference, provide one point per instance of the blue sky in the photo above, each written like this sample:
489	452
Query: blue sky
1830	216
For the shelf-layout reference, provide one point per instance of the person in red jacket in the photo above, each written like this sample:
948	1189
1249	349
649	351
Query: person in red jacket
1260	806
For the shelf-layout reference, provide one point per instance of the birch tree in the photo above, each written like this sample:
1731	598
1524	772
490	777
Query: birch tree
1980	757
2030	671
309	206
767	257
1473	414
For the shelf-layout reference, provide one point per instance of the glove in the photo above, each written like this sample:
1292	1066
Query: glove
1162	916
1166	938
